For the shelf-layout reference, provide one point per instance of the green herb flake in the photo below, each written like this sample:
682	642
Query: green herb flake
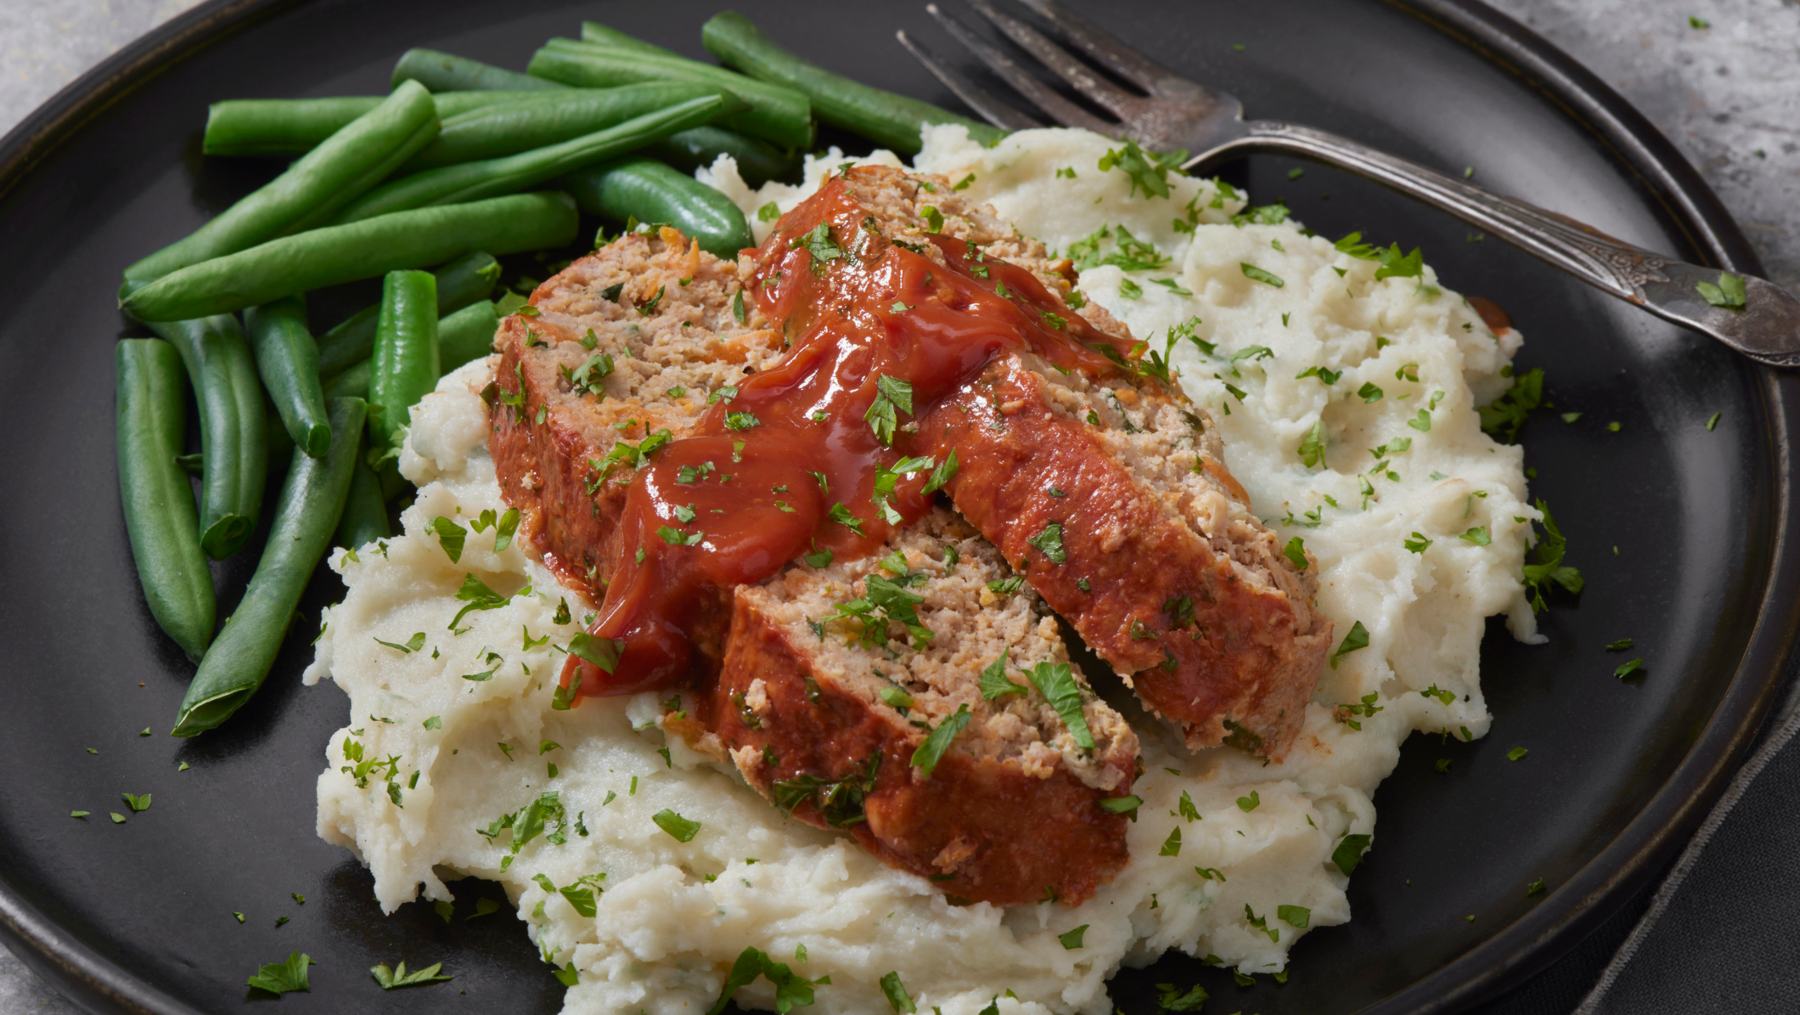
1357	638
679	828
1071	939
1297	917
1255	274
1629	669
1249	803
1172	845
1517	754
283	977
1727	294
1056	682
925	758
1049	542
1295	551
399	976
1349	852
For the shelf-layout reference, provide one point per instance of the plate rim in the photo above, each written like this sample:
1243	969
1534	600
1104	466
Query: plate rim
1637	854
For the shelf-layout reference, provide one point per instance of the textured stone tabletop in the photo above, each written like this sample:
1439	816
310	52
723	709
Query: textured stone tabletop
1719	77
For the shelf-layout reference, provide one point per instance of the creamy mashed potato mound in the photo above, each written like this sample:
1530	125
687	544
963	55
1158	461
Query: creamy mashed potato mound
451	727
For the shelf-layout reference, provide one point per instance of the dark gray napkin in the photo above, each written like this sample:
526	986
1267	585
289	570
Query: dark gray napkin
1722	931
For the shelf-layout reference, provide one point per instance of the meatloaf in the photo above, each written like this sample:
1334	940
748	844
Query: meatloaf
976	756
1106	490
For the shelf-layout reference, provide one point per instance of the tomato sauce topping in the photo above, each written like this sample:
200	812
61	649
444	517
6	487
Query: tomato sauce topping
814	457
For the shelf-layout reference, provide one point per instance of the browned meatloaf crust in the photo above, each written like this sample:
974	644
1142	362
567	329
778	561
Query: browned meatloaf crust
1166	573
816	710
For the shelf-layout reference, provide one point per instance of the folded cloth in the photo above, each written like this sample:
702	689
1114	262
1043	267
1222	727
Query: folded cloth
1719	934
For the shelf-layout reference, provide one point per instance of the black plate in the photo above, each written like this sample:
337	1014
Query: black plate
1681	531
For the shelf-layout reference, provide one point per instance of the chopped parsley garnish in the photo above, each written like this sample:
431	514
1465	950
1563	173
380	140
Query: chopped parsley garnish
1370	392
819	243
1353	244
1417	542
1326	375
1728	294
1172	845
1517	754
1477	536
934	219
1147	171
450	537
602	652
1250	802
892	396
1349	852
1502	418
283	977
847	518
413	644
1297	917
1185	807
1169	997
1071	939
1628	669
399	976
1056	682
839	801
768	212
1130	290
741	421
1312	446
138	803
475	595
647	307
1049	542
1255	274
1546	567
1122	805
1130	253
679	828
944	473
926	756
884	602
994	684
791	989
1357	638
590	375
1394	264
675	537
1295	551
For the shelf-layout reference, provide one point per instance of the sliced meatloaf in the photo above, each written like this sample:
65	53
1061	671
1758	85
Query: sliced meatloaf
1107	490
801	680
830	713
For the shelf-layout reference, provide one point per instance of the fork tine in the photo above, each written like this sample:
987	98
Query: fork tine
965	88
1005	67
1064	63
1102	46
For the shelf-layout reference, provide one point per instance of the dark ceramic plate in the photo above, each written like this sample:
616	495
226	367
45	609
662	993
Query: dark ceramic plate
1682	531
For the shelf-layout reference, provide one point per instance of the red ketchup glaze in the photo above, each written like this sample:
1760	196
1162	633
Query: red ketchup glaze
754	486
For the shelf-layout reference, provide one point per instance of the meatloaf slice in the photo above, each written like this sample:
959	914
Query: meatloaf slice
831	714
1109	493
626	345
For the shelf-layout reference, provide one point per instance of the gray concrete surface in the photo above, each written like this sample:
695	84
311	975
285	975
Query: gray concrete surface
1727	94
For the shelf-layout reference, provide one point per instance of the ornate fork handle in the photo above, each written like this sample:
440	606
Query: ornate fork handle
1766	329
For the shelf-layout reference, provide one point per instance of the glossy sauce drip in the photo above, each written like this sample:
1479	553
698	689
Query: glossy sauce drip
755	485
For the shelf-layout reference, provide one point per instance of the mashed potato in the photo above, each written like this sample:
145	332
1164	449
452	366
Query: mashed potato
643	870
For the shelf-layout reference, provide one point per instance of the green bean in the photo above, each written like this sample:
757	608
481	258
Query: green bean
158	502
292	127
889	119
606	35
312	499
446	72
466	280
649	191
405	364
758	161
287	358
465	335
365	517
312	189
233	449
774	113
344	253
507	128
509	173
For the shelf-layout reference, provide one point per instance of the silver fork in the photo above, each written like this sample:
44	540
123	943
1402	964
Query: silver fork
1171	112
